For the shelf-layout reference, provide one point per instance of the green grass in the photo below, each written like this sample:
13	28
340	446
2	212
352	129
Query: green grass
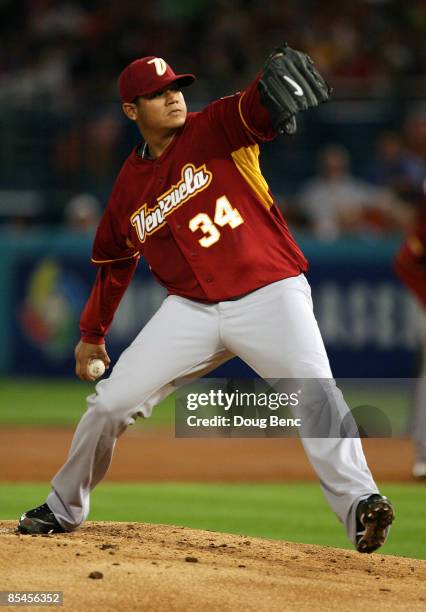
294	512
57	403
60	403
395	405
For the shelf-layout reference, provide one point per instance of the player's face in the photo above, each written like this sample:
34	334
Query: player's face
164	110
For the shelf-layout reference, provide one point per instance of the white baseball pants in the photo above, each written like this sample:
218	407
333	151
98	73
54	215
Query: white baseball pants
273	330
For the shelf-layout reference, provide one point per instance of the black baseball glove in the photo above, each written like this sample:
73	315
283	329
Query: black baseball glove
290	83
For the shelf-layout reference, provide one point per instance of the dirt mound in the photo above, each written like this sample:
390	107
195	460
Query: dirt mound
159	567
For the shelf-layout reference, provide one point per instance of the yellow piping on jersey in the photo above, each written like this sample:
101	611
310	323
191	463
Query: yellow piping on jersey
101	261
247	161
251	130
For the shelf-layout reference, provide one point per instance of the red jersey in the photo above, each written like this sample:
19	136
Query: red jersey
410	262
201	214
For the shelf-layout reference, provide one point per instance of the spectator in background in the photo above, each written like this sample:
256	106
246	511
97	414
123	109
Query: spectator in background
336	202
396	167
68	49
82	214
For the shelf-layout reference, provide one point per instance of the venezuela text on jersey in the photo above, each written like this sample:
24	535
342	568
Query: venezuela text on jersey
193	180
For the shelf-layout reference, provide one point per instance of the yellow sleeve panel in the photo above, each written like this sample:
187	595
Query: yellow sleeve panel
247	161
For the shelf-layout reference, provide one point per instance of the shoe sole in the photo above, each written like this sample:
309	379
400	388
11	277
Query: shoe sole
376	520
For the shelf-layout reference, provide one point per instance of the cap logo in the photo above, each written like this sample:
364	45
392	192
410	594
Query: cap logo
159	64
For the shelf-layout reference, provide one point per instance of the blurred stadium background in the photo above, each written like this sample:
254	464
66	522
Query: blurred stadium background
350	183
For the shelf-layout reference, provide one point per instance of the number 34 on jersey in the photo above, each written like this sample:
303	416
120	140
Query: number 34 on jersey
224	215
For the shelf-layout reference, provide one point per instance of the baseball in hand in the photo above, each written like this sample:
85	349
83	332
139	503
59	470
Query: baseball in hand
96	368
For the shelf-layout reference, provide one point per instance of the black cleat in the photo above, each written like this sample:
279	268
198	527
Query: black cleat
40	520
374	516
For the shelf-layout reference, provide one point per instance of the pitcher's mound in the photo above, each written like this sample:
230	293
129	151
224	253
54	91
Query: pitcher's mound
137	566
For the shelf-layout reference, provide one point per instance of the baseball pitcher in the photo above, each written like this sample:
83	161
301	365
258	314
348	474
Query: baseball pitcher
191	200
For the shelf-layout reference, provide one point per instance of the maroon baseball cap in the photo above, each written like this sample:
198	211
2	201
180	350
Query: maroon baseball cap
147	75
